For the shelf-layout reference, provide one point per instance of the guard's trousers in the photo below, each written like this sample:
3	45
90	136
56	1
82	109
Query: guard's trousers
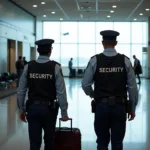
41	117
110	125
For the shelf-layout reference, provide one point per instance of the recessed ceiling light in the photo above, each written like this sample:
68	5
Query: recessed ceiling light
61	18
114	6
34	5
43	3
112	11
147	9
135	19
53	12
141	14
89	7
108	16
44	15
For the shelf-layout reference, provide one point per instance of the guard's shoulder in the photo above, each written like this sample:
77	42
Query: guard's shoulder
56	63
31	62
93	59
94	56
127	60
124	56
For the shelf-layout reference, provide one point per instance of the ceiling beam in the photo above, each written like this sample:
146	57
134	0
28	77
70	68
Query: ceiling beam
139	4
22	8
78	6
57	3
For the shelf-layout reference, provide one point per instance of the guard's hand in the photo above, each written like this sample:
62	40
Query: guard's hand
64	118
23	117
131	116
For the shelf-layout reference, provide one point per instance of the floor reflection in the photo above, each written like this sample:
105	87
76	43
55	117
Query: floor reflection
14	134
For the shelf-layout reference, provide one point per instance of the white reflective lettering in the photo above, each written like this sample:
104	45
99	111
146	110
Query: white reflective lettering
30	75
37	75
33	76
113	69
51	76
108	70
100	69
40	76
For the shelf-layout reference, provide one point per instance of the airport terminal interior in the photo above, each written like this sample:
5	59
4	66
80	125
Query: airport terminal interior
75	26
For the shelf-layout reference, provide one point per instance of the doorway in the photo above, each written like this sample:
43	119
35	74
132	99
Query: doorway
11	55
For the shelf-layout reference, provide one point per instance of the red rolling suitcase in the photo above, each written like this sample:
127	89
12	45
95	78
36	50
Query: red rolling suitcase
67	138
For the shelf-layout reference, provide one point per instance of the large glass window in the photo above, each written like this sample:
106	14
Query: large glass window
82	40
52	31
100	26
124	29
137	32
86	51
86	32
123	49
136	49
99	48
69	32
145	32
68	51
55	55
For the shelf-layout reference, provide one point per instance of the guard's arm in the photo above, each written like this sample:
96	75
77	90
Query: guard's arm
22	89
88	77
131	86
61	90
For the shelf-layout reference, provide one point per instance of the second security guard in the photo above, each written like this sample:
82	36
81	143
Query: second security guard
112	75
45	84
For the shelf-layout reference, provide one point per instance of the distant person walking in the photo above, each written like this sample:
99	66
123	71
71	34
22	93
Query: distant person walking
19	68
137	68
24	61
70	64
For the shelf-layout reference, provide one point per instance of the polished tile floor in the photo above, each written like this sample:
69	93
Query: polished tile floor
14	134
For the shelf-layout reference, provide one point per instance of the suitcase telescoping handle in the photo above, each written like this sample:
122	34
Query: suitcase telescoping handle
70	119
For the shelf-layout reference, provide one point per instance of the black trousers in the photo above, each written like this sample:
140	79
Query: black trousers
138	76
110	125
41	117
70	72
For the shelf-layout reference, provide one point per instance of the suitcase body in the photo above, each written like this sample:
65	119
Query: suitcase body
67	139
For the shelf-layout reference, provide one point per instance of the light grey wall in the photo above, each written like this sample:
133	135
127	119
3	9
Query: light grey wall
18	25
15	16
3	54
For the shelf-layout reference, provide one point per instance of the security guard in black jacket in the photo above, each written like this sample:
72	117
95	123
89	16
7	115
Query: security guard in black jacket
45	84
113	75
